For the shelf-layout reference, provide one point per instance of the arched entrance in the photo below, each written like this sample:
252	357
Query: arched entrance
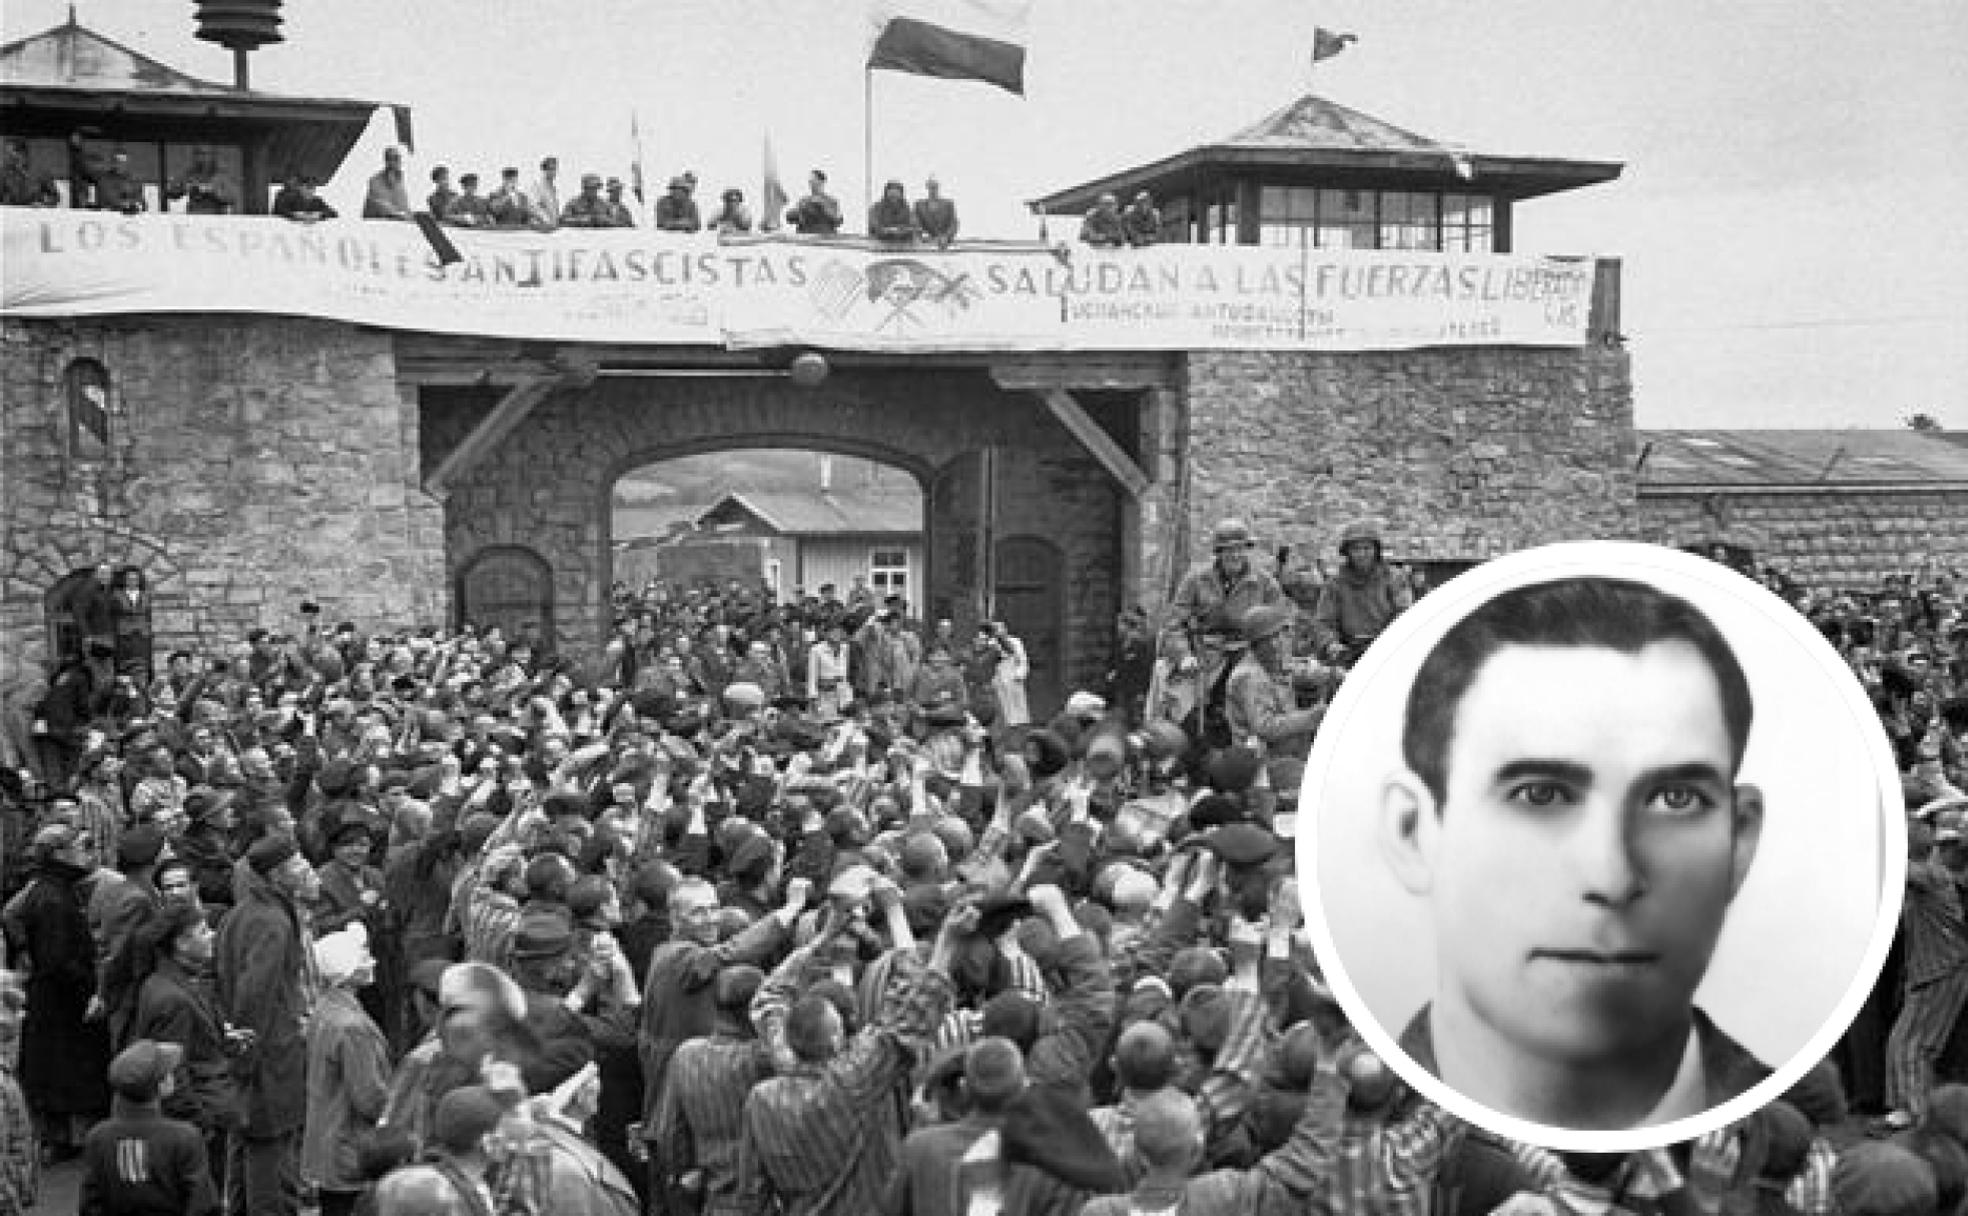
1031	601
536	468
508	587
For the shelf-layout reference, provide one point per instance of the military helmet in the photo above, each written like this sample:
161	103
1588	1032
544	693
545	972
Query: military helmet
1264	621
1231	534
1364	529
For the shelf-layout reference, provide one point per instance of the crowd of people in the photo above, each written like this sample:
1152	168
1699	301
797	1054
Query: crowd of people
798	908
106	183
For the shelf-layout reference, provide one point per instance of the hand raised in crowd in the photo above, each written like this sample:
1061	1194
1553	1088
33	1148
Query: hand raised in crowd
1202	878
798	890
1050	902
1286	912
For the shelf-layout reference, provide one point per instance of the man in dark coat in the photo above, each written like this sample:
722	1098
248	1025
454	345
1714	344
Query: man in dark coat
64	1042
818	213
93	607
118	907
263	963
176	1005
679	995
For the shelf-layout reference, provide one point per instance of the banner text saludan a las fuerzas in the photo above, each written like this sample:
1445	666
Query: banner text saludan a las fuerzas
642	286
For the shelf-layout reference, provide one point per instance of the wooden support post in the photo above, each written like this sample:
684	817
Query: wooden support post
1110	454
494	427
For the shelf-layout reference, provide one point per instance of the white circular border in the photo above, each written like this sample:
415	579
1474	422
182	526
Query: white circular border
1606	559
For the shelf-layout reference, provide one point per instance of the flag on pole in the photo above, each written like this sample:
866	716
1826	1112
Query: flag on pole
954	39
635	161
772	198
1326	44
404	134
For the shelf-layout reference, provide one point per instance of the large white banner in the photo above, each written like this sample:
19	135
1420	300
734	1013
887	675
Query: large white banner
639	286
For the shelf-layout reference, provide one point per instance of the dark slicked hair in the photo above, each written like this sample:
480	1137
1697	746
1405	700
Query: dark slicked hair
1601	613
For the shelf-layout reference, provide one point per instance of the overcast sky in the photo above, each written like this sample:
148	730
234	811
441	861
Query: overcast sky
1793	256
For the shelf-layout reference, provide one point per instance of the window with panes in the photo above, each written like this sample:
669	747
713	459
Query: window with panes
1293	216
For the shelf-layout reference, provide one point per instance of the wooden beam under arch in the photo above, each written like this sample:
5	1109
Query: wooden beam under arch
1096	441
506	416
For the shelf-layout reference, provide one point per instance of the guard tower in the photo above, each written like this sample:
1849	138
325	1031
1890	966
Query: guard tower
1317	173
78	97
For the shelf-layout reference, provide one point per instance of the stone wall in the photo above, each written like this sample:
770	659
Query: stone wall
252	463
1458	453
1844	540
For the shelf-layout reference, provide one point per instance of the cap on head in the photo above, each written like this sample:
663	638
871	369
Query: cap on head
269	853
542	934
139	1069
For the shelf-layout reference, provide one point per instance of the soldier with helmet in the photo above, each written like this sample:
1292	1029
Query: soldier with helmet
1209	603
1261	703
1360	599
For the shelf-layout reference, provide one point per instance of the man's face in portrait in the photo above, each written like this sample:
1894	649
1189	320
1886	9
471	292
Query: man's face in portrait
1582	860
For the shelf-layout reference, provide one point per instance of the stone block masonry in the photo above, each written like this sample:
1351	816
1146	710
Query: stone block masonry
1459	454
251	464
1835	540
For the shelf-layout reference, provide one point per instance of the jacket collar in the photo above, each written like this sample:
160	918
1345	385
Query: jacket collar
1729	1070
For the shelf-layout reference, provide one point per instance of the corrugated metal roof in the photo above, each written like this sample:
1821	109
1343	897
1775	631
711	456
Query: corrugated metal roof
814	512
1799	458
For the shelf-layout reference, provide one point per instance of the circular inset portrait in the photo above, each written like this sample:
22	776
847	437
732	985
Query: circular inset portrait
1605	846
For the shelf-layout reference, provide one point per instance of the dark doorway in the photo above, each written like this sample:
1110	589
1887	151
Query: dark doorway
507	587
1031	601
64	634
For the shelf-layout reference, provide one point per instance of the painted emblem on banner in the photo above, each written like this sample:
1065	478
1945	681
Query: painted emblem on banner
910	296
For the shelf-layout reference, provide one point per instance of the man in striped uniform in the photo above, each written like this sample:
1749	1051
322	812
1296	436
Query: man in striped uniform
1936	978
807	1136
702	1109
681	991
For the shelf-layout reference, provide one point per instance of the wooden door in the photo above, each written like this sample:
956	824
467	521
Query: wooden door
1031	600
507	586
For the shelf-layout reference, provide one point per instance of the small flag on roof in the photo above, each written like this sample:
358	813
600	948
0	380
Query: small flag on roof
1326	44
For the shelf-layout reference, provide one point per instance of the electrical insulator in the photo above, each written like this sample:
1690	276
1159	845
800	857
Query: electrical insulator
242	25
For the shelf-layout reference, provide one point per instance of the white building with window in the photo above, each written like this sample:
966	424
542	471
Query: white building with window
814	537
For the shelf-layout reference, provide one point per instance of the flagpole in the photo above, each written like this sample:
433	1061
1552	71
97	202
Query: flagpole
867	139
